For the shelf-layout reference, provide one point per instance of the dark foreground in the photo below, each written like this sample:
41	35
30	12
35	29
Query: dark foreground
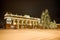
29	34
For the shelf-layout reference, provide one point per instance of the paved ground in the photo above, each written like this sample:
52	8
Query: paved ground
29	34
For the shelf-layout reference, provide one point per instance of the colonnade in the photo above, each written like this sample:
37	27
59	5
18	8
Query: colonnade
21	23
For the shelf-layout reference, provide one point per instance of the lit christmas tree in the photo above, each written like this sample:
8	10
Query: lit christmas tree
46	21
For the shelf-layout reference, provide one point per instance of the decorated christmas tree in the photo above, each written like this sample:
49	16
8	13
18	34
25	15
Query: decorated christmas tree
46	21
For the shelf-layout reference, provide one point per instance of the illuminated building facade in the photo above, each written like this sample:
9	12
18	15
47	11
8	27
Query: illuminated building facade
19	21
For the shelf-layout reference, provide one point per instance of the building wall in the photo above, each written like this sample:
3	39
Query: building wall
17	22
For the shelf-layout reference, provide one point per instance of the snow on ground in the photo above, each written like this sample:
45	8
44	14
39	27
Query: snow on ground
29	34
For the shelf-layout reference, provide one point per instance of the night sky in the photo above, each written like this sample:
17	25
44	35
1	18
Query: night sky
30	7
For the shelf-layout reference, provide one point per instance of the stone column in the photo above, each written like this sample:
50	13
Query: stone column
33	24
26	23
22	24
30	24
13	21
17	24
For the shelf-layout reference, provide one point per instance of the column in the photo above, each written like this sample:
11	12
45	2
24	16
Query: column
22	24
30	24
14	22
17	24
26	23
33	24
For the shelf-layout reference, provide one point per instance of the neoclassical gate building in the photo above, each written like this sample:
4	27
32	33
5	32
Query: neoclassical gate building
19	21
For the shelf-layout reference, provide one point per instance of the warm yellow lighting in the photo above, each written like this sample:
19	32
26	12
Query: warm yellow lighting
14	23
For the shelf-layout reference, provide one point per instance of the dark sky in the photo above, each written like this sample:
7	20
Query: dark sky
30	7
